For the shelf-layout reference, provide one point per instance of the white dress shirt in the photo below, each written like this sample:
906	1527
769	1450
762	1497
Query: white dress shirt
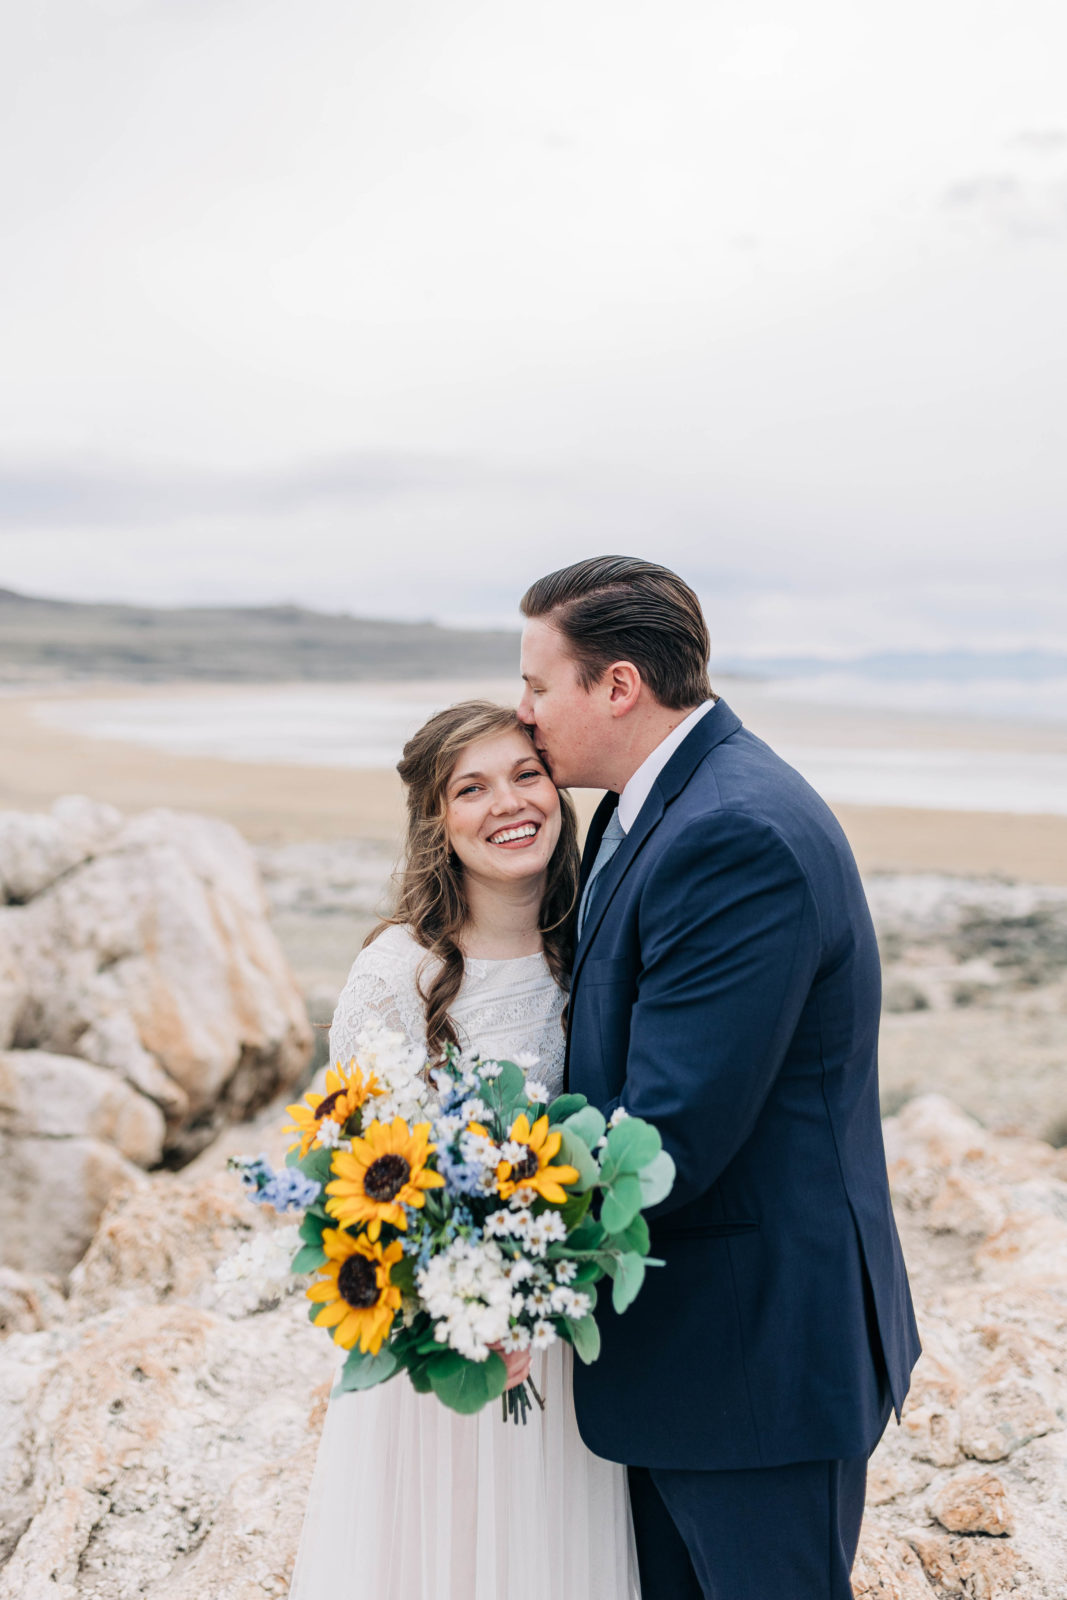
639	787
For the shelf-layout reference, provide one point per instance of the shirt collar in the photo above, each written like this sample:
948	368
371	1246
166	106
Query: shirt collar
639	787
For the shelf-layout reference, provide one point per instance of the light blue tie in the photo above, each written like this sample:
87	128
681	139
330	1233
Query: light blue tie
612	837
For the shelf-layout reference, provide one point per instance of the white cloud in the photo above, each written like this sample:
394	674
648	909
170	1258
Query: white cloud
399	306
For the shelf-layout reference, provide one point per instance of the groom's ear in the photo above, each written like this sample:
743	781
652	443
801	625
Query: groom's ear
624	687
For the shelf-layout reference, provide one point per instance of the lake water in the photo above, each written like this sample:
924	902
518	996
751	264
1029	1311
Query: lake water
365	725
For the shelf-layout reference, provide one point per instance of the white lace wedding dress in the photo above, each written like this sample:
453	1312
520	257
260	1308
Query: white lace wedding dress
410	1501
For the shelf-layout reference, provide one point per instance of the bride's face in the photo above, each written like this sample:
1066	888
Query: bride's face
502	810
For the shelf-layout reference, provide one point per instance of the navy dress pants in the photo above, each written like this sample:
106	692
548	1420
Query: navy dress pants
769	1533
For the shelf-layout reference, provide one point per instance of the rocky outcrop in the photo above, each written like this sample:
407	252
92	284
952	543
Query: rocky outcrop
144	1003
158	1428
965	1497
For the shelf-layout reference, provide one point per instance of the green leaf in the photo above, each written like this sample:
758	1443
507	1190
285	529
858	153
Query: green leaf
573	1213
293	1156
573	1152
622	1202
362	1371
588	1273
584	1336
311	1228
309	1258
565	1105
590	1236
317	1166
634	1237
628	1277
632	1144
656	1180
588	1124
509	1089
466	1386
403	1275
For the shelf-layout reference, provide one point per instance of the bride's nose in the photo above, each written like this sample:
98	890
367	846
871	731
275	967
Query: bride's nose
506	799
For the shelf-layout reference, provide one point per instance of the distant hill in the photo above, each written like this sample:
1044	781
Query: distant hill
46	640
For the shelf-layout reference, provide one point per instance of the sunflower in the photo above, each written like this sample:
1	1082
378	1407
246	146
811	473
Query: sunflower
358	1297
386	1171
529	1166
345	1093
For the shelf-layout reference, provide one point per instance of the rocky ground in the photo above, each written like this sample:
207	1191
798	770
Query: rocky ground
975	975
158	1428
158	1423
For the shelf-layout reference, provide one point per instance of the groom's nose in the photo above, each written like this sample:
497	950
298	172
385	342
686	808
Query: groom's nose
524	709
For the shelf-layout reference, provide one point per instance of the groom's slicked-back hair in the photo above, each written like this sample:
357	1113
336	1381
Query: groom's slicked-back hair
617	608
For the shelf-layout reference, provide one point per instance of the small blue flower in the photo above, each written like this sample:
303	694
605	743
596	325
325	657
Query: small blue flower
288	1190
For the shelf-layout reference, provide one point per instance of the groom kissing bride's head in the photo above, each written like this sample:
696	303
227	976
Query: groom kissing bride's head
614	656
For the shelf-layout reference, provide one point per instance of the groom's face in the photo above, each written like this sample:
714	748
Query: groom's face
570	724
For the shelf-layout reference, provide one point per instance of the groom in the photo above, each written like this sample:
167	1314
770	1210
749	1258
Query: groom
726	987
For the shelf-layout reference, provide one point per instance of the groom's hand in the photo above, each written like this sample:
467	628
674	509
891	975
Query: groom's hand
517	1363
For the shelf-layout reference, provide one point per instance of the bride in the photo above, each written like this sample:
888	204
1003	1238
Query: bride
411	1501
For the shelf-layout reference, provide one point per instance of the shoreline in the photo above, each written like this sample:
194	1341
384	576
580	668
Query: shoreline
281	803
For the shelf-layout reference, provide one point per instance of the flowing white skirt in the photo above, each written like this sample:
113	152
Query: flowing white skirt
410	1501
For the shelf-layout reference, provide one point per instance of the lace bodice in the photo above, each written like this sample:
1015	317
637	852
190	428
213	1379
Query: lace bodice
504	1008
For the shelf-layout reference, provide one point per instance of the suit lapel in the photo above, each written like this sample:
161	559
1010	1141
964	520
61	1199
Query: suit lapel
709	731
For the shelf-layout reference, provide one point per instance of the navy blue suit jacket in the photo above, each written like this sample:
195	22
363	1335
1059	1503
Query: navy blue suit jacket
727	988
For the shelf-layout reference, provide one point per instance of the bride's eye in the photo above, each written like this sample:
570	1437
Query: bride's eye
532	773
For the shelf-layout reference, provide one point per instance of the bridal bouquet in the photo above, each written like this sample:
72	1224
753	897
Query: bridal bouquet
451	1219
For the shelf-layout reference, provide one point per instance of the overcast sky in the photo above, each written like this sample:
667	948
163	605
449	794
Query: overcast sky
393	307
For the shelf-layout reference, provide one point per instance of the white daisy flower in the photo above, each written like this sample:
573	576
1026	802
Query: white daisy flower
543	1335
566	1271
536	1092
328	1135
620	1114
516	1339
526	1060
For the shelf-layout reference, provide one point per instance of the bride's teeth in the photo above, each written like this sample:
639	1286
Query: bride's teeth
506	835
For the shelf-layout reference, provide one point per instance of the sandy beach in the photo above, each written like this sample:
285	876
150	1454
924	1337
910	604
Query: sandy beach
276	803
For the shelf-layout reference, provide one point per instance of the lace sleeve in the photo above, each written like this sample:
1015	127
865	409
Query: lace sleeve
381	986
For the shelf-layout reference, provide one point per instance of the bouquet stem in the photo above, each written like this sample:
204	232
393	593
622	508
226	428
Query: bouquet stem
516	1403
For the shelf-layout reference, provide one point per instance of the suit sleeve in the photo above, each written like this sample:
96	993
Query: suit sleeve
729	947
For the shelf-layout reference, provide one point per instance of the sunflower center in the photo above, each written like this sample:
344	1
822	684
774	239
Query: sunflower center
357	1282
525	1167
386	1177
324	1107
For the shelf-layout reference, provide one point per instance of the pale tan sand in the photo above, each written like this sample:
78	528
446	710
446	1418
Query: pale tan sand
274	803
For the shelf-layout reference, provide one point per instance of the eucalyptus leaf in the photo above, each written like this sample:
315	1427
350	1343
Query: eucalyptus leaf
317	1165
634	1237
573	1152
510	1086
362	1371
632	1144
656	1180
585	1337
621	1203
565	1105
468	1387
309	1258
628	1277
311	1228
588	1124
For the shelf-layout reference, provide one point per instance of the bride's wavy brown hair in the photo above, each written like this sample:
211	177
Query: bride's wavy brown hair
431	900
